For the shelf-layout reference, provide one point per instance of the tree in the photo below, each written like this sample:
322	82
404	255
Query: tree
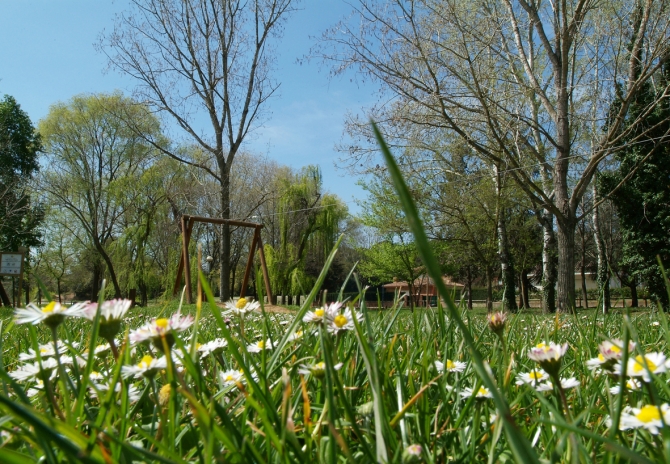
203	57
93	155
20	144
518	82
640	191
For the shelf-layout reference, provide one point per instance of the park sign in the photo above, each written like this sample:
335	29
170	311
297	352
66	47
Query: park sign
11	264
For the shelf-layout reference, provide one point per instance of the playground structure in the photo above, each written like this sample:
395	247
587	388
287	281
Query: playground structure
184	268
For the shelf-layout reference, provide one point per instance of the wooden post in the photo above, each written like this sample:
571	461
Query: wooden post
264	267
250	262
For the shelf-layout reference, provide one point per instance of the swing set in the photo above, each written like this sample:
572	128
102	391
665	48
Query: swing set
185	264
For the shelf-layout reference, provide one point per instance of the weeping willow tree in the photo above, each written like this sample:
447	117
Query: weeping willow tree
309	223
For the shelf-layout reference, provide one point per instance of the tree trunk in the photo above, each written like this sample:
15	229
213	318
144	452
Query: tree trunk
584	293
602	277
549	255
110	268
509	293
566	266
489	289
224	280
58	289
524	288
633	293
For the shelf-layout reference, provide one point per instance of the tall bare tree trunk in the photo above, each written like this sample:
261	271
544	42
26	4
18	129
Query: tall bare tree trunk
549	263
489	289
506	265
224	280
603	275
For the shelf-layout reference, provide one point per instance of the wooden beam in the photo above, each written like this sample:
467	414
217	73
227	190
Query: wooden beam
224	221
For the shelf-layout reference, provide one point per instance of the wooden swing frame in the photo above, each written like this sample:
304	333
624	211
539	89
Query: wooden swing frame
185	264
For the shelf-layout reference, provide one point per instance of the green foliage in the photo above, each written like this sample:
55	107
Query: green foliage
643	197
19	148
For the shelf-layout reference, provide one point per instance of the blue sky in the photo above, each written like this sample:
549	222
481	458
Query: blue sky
47	55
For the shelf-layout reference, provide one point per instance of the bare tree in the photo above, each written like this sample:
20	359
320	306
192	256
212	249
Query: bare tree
203	57
516	81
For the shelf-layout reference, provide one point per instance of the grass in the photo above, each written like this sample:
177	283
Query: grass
387	387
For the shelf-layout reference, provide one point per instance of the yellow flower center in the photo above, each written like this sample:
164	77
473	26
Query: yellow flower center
298	333
482	391
535	375
640	362
162	323
320	365
648	413
319	312
43	350
145	362
601	358
261	344
544	347
229	378
340	320
241	303
450	364
49	308
615	349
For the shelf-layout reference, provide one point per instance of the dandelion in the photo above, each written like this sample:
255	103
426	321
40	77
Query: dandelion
52	314
147	367
649	417
641	366
260	346
480	394
242	306
548	356
341	322
533	377
450	366
161	329
631	385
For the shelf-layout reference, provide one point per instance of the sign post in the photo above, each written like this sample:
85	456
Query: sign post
11	264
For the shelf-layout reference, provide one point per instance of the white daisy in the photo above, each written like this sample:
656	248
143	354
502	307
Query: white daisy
33	372
46	351
566	384
52	314
161	328
242	306
451	366
110	311
640	366
631	384
533	377
323	314
318	370
548	356
100	390
231	377
609	353
480	394
260	346
649	417
214	346
147	367
340	322
295	336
